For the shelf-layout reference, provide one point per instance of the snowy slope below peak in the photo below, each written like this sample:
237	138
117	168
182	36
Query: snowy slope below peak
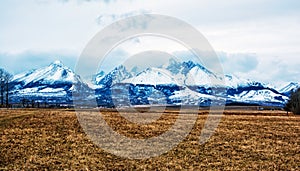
234	82
43	92
152	76
98	77
264	95
187	96
200	77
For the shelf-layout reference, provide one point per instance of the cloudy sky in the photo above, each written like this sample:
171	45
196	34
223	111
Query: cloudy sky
256	39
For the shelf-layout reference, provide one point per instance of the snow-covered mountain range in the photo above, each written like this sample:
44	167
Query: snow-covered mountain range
174	83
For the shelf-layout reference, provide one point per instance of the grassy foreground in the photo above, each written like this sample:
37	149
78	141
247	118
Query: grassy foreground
44	139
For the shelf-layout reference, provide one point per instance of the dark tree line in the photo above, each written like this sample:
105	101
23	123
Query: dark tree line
27	103
5	78
293	104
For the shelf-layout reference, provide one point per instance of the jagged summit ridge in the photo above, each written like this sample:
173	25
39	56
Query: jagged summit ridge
57	62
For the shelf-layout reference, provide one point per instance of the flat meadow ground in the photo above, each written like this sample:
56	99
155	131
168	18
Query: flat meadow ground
52	139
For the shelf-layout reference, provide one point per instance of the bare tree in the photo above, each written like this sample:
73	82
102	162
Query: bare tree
25	103
5	79
2	86
293	104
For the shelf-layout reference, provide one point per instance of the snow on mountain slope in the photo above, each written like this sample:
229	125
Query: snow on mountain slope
288	88
179	70
98	77
55	72
201	77
152	76
95	84
187	96
117	75
264	95
37	91
232	81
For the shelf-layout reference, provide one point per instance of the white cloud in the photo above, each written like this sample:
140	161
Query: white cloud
269	29
46	27
238	62
106	19
28	60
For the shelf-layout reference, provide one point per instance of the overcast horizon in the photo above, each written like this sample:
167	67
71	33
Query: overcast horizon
256	39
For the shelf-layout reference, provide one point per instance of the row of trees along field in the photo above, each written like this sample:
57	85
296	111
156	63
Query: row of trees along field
5	78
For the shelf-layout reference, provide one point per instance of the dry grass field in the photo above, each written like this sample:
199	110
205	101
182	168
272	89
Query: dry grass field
44	139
